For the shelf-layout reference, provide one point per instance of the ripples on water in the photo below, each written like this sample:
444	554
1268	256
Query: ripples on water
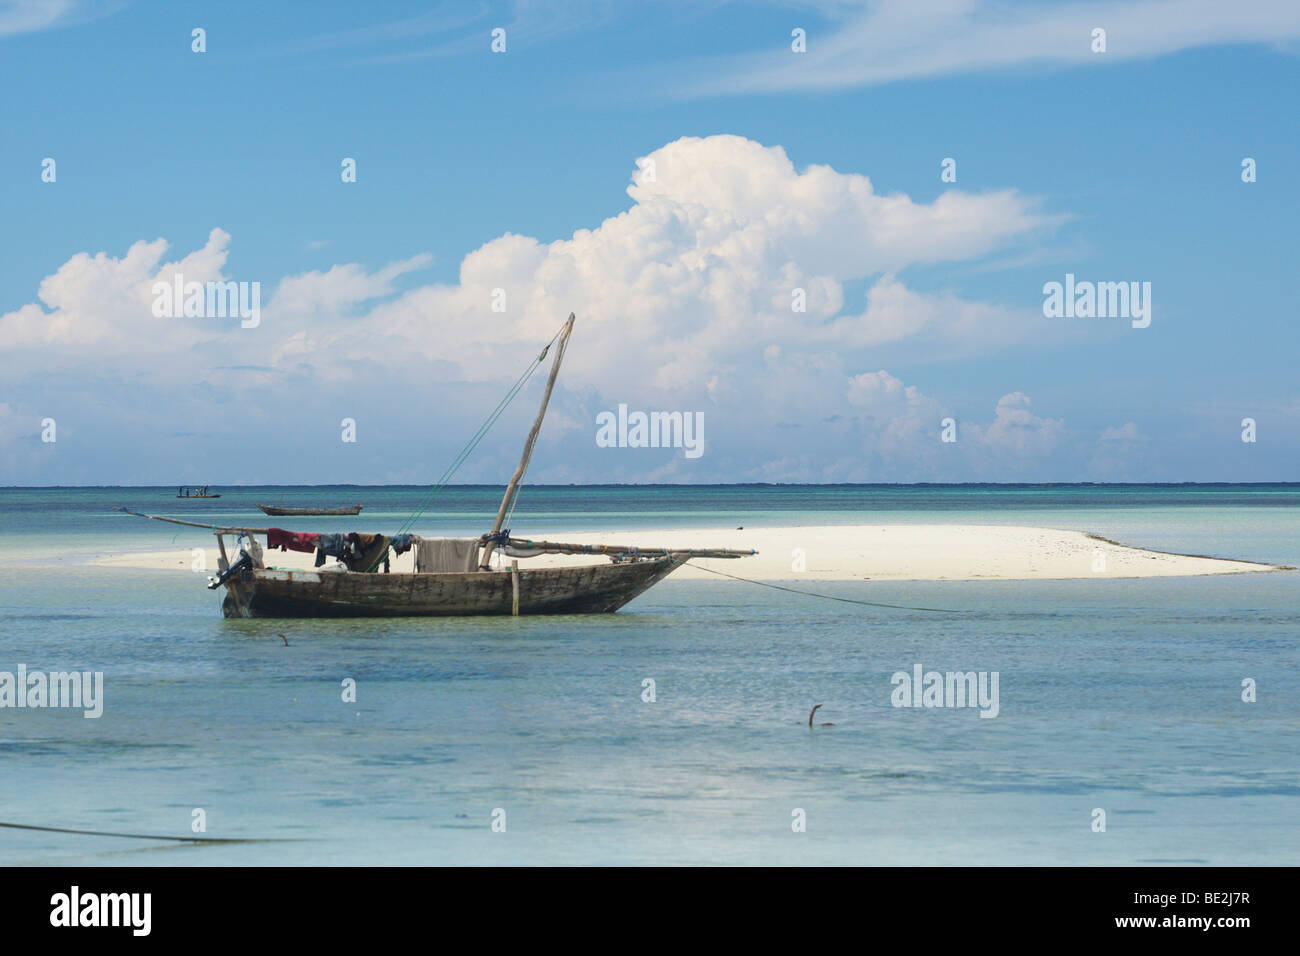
1123	695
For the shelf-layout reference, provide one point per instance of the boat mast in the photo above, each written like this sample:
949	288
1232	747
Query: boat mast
528	443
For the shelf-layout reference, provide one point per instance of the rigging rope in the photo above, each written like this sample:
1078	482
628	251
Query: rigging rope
828	597
473	442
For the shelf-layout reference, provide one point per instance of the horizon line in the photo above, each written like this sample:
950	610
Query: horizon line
711	484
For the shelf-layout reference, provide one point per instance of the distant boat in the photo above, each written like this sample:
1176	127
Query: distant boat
278	512
458	579
203	492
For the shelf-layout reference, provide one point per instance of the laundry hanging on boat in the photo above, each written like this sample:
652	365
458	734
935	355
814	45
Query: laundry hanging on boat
403	543
364	552
291	540
359	552
441	555
329	545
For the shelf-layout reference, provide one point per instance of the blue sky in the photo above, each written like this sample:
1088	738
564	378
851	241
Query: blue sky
1115	166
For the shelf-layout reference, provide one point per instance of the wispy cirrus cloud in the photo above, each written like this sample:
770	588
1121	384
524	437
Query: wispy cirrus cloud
28	16
893	40
453	28
32	16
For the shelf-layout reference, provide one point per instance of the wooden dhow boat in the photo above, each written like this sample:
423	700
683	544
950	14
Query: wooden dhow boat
278	511
263	592
464	583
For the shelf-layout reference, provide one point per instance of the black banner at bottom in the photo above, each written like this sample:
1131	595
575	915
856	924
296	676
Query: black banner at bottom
300	905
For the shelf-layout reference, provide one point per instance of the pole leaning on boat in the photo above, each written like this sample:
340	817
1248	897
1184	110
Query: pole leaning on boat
529	442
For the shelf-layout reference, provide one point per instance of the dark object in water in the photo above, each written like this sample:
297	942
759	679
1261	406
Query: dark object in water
810	717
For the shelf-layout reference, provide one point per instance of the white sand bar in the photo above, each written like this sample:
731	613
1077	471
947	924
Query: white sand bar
837	553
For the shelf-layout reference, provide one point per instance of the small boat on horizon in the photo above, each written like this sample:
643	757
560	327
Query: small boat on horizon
204	492
280	511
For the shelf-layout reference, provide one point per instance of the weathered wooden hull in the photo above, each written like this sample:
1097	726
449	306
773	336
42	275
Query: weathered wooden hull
591	589
276	512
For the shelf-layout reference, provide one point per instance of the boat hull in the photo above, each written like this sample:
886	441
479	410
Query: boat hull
275	512
592	589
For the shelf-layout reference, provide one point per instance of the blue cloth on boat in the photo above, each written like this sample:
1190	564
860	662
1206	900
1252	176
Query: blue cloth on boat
330	545
402	543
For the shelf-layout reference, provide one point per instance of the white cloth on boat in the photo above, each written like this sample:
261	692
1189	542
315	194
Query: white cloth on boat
249	546
441	555
519	551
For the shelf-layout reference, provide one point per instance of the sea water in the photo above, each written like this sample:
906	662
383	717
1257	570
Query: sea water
535	740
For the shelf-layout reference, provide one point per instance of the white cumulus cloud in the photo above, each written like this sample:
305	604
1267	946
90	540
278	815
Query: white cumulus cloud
685	301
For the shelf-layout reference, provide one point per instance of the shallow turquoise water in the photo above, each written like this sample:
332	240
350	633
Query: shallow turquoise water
1123	695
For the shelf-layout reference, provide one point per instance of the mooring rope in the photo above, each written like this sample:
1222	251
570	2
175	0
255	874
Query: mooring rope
828	597
144	836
